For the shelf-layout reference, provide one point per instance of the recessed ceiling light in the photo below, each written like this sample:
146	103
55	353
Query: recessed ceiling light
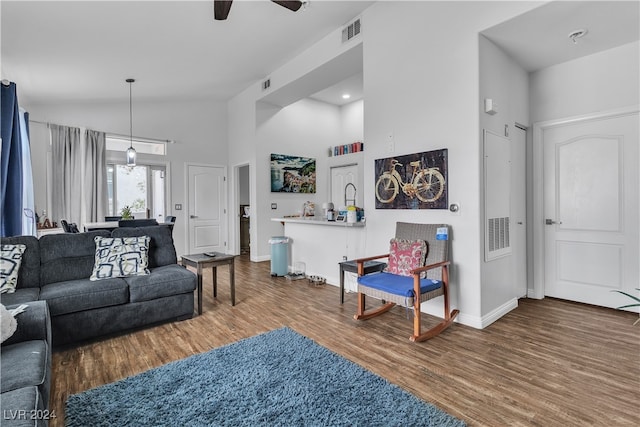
346	96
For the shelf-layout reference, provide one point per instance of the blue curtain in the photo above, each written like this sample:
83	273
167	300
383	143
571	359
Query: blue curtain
29	226
11	164
16	181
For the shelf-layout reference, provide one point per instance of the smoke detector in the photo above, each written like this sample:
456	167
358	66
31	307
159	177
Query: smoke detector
577	34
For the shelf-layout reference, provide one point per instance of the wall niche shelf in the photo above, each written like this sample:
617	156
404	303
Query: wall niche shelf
341	150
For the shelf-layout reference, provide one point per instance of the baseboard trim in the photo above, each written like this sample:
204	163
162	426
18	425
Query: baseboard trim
531	293
489	318
499	312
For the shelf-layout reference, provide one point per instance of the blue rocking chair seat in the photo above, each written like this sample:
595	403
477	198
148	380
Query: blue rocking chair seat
428	281
382	285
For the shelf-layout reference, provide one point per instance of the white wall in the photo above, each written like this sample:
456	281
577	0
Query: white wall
305	128
241	151
421	83
198	127
504	81
352	122
604	81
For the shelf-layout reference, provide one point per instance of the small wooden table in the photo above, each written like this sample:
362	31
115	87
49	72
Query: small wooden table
352	267
200	261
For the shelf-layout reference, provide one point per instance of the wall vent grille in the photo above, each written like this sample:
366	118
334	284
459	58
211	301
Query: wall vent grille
351	30
498	234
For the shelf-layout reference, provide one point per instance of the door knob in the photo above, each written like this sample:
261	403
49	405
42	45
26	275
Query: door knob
193	216
551	222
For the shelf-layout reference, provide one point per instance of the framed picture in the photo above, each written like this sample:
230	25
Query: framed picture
413	181
292	174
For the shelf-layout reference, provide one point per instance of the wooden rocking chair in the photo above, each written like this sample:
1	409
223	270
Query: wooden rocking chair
401	282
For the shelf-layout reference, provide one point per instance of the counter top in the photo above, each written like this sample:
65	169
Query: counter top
317	221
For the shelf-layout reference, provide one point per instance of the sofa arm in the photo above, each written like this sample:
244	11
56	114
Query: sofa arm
33	324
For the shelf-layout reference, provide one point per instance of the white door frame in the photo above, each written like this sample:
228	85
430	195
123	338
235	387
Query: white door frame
234	214
520	239
538	290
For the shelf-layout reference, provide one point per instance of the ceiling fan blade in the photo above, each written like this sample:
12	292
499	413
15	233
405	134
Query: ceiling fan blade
291	5
221	9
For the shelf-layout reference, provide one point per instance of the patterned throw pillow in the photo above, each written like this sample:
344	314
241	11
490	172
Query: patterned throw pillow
405	255
121	257
9	267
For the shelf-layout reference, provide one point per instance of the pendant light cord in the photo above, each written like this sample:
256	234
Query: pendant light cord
130	81
130	115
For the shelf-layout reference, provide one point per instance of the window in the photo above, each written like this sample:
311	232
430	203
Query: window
142	187
144	146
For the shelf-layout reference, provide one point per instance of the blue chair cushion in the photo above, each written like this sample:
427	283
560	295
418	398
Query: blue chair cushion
397	285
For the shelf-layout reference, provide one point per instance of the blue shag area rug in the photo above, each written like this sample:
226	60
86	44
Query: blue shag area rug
279	378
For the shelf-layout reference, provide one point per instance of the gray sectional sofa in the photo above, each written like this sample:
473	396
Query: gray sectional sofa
25	371
56	268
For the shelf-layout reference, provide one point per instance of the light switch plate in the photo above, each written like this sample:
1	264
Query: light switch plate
178	207
274	206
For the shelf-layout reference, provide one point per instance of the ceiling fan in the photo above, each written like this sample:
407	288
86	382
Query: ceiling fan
221	8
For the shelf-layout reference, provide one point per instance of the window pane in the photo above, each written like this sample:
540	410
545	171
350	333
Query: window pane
141	146
110	171
157	191
132	189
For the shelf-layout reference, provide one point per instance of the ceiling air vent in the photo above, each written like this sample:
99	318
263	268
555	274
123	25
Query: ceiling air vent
266	84
351	30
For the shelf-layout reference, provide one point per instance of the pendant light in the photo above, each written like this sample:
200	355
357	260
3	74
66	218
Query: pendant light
131	152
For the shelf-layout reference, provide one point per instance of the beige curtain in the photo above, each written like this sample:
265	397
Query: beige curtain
95	182
79	184
66	173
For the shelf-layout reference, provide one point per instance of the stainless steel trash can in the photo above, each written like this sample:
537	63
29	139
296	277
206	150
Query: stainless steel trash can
279	255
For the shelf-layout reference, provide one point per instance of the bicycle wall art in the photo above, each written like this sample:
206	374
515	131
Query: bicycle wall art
292	174
412	181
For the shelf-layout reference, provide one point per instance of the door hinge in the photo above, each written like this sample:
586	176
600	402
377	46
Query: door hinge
224	211
224	178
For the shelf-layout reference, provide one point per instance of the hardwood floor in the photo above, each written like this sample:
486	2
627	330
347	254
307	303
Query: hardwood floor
547	363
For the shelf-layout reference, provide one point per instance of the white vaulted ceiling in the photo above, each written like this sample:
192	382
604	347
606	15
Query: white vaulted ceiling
540	38
76	51
84	50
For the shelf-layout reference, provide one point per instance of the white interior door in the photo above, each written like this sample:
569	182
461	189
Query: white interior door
340	177
207	209
591	209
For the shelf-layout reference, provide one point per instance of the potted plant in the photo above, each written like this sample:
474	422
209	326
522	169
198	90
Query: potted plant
125	213
633	297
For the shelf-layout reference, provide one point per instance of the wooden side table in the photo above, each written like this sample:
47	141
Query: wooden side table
352	267
200	261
